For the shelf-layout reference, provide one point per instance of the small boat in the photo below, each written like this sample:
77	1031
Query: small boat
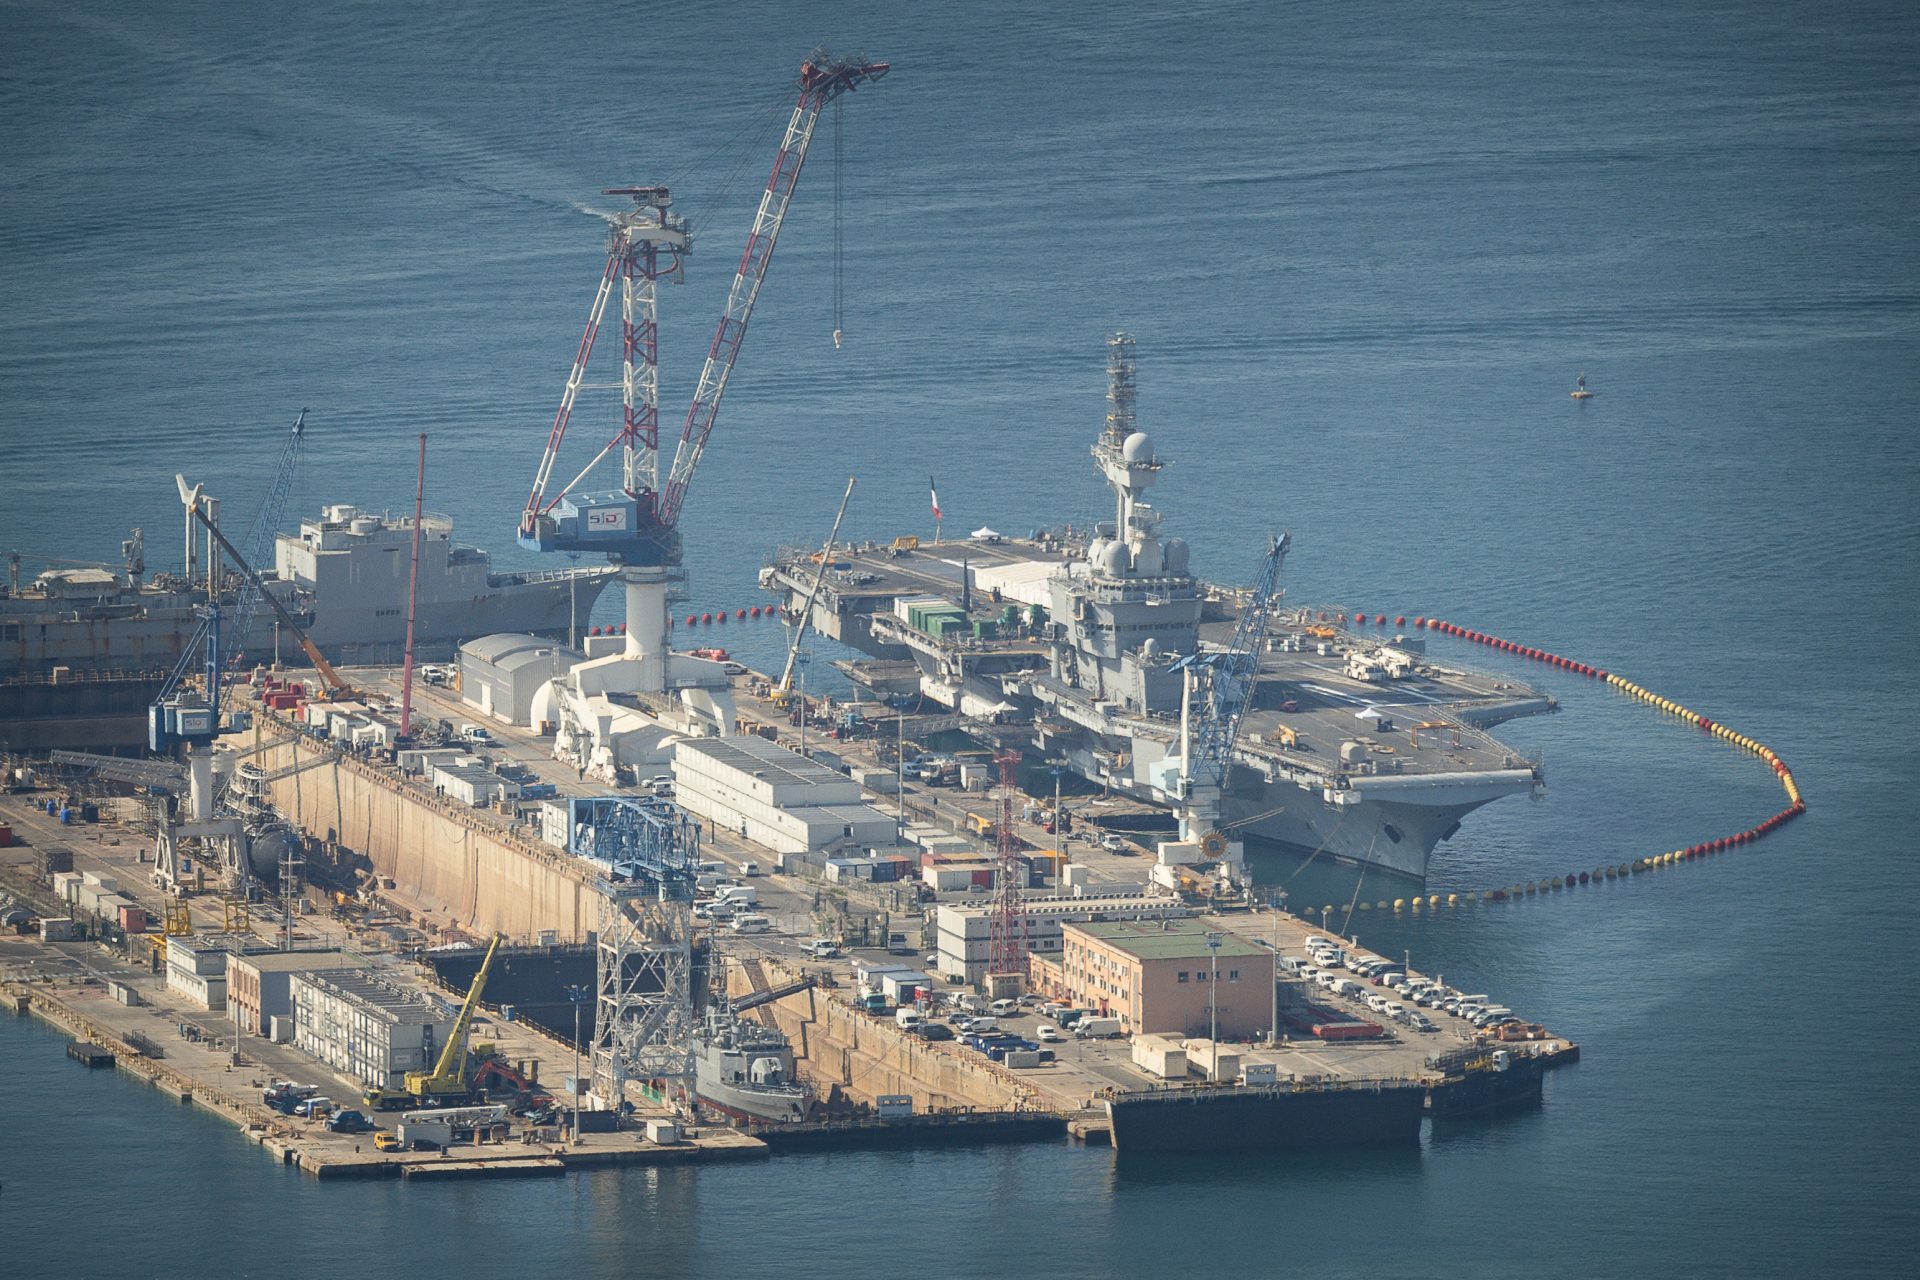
1580	391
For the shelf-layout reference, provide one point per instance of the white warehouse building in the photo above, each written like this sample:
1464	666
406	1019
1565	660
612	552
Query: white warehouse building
966	931
366	1028
773	796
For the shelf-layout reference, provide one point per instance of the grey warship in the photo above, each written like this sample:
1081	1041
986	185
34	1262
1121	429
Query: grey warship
343	576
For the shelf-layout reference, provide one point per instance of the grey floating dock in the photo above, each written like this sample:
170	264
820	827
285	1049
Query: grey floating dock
89	1055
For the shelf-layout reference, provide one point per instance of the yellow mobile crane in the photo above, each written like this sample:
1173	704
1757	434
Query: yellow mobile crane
448	1084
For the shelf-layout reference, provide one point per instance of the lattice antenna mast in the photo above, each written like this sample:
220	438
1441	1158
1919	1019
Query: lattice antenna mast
645	245
1007	939
1120	388
822	80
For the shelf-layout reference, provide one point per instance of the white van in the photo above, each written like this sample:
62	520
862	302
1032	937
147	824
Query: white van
1004	1008
749	868
751	923
740	895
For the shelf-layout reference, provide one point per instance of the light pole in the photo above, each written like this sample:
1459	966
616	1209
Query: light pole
573	617
578	994
1059	834
1213	1005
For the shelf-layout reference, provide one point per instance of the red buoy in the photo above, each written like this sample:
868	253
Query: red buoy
739	613
1379	619
1400	620
622	628
692	621
720	616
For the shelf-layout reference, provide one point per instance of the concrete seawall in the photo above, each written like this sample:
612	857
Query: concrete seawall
860	1057
451	861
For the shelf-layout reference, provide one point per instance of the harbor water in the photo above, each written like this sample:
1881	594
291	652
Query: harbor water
1365	252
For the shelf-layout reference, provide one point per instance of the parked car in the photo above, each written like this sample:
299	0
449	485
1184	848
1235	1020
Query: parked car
933	1031
1047	1035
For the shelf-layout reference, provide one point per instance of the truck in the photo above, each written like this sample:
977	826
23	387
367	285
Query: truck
348	1121
422	1135
1095	1028
460	1124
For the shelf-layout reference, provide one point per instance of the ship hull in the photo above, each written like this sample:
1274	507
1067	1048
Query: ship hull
1266	1119
371	632
1376	832
744	1102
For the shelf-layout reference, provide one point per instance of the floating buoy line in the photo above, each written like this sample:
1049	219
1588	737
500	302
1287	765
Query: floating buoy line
1722	844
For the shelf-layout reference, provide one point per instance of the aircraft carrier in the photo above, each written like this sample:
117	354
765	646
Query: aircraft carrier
1356	743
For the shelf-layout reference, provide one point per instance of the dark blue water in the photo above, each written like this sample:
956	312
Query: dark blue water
1365	249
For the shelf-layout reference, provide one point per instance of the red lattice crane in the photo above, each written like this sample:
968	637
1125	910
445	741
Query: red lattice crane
637	524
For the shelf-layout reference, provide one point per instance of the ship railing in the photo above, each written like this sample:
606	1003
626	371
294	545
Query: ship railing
86	676
1191	1092
560	575
1480	737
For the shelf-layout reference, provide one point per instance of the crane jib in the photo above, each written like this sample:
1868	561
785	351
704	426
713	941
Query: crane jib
820	84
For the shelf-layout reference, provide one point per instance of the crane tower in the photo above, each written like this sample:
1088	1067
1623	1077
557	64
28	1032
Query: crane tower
637	524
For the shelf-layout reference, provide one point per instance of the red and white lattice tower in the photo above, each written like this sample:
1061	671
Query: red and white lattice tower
1007	948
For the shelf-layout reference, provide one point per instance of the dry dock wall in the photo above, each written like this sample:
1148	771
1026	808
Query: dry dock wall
860	1057
448	860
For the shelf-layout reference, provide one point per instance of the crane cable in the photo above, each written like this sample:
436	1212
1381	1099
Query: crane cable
839	235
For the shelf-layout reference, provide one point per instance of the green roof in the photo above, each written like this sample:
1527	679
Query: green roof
1177	940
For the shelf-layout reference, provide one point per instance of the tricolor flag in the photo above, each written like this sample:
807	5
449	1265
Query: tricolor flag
936	497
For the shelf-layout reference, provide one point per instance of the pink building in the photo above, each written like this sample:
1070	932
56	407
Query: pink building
1158	976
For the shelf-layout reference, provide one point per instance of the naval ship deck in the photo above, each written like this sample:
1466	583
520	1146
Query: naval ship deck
1429	722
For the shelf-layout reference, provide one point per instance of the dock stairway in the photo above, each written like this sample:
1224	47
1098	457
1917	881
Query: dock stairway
767	995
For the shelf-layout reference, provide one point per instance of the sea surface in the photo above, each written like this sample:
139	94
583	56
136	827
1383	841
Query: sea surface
1365	249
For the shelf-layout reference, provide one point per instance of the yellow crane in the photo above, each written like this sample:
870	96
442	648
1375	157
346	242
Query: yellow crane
448	1084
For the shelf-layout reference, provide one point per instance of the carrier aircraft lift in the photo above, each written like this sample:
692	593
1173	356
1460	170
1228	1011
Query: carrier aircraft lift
637	524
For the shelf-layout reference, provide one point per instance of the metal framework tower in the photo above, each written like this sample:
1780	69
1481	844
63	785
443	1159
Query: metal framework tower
643	1023
645	245
1120	388
1007	939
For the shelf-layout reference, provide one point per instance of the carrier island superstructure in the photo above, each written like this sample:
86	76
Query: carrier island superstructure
1355	745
